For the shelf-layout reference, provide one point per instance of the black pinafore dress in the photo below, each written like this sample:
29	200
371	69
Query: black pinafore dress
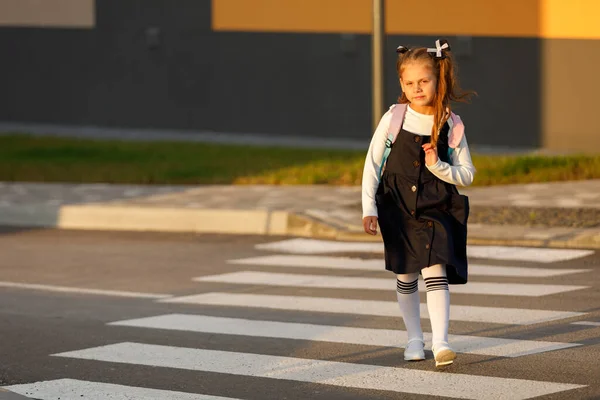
423	220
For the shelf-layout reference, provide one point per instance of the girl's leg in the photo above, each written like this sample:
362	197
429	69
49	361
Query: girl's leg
408	299
438	301
438	305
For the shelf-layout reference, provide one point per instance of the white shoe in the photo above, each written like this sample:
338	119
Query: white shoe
443	354
414	350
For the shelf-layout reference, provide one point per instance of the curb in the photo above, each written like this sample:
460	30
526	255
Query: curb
262	222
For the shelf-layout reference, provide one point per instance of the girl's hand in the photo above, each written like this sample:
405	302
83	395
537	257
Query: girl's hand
370	225
431	154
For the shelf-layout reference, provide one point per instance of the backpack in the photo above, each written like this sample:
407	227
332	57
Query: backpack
398	112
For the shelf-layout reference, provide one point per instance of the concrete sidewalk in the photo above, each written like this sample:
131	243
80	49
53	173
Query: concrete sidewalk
309	211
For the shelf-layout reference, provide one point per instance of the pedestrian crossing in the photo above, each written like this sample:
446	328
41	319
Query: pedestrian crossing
313	264
341	374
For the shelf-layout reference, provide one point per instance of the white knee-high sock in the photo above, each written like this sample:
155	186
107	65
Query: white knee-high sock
438	301
408	299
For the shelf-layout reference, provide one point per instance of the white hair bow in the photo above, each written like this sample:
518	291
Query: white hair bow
439	48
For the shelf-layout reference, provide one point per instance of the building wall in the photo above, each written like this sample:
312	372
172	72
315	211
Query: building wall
570	88
294	67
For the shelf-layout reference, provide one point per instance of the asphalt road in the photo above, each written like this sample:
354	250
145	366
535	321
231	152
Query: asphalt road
105	315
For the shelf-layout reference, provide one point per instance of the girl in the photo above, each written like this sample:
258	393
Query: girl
415	201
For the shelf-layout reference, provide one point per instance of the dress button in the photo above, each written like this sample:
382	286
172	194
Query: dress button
414	188
416	163
427	246
417	139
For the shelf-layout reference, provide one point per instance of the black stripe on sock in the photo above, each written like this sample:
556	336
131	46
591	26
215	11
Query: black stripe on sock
434	288
407	287
436	283
436	278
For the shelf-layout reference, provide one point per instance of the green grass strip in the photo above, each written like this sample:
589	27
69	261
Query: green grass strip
44	159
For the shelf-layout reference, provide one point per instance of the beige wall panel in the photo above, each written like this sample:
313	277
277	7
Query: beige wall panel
507	18
48	13
328	16
468	17
492	18
570	87
570	19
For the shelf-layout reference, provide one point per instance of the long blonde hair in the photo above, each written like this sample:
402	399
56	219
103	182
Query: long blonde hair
448	88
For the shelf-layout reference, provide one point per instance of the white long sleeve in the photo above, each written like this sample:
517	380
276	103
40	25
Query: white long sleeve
370	178
462	170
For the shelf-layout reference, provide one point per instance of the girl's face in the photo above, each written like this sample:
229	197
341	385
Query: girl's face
419	84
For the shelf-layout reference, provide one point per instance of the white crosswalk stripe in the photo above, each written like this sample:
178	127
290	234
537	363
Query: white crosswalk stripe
533	254
339	334
348	375
343	282
587	323
496	315
98	292
72	389
317	254
349	263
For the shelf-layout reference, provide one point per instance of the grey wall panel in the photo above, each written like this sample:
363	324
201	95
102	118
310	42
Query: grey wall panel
111	75
296	84
505	72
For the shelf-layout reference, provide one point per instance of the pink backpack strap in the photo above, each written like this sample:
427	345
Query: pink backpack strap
457	131
398	112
